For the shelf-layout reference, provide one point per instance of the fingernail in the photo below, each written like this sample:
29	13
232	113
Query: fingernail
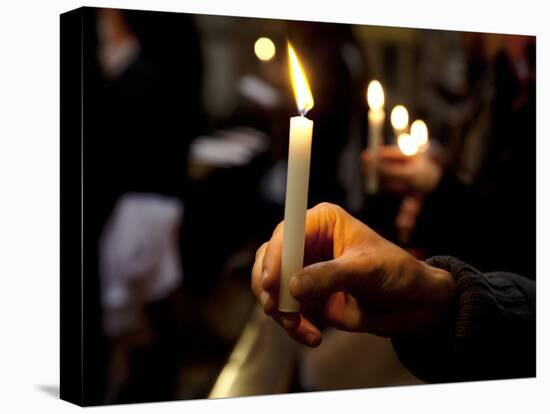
312	339
301	285
290	324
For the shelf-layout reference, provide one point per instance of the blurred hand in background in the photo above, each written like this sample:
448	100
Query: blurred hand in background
405	221
405	174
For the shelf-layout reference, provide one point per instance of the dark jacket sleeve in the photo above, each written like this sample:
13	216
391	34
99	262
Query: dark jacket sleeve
488	333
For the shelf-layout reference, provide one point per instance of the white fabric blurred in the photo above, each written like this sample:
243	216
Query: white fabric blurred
139	258
228	148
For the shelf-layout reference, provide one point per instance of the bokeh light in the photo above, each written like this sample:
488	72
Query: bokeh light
407	144
264	48
419	131
375	95
399	117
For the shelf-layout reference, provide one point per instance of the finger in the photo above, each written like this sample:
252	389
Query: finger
271	304
401	171
405	220
366	156
256	282
320	222
411	204
300	330
405	225
288	320
386	151
392	153
319	280
342	312
271	267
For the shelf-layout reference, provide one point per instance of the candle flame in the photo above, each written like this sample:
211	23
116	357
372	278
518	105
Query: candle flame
407	144
302	92
375	95
399	117
419	131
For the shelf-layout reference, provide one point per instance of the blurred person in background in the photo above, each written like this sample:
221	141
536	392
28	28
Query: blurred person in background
142	100
481	193
458	201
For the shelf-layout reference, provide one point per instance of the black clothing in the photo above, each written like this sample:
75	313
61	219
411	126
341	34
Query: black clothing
500	200
137	127
488	334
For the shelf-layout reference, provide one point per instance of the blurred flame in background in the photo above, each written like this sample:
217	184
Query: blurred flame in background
264	48
375	95
399	117
407	144
419	131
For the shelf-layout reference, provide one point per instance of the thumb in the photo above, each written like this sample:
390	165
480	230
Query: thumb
319	280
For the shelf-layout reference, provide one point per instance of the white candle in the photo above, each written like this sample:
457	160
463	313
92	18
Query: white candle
299	155
376	116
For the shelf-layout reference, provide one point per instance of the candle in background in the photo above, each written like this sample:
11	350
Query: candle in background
419	131
376	116
299	154
399	120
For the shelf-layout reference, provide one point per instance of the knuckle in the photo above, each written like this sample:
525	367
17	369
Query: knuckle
260	250
278	227
325	205
409	266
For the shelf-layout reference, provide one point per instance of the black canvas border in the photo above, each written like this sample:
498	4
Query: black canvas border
71	203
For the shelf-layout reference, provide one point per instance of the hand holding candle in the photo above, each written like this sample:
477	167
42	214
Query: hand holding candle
299	154
415	170
407	166
345	288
